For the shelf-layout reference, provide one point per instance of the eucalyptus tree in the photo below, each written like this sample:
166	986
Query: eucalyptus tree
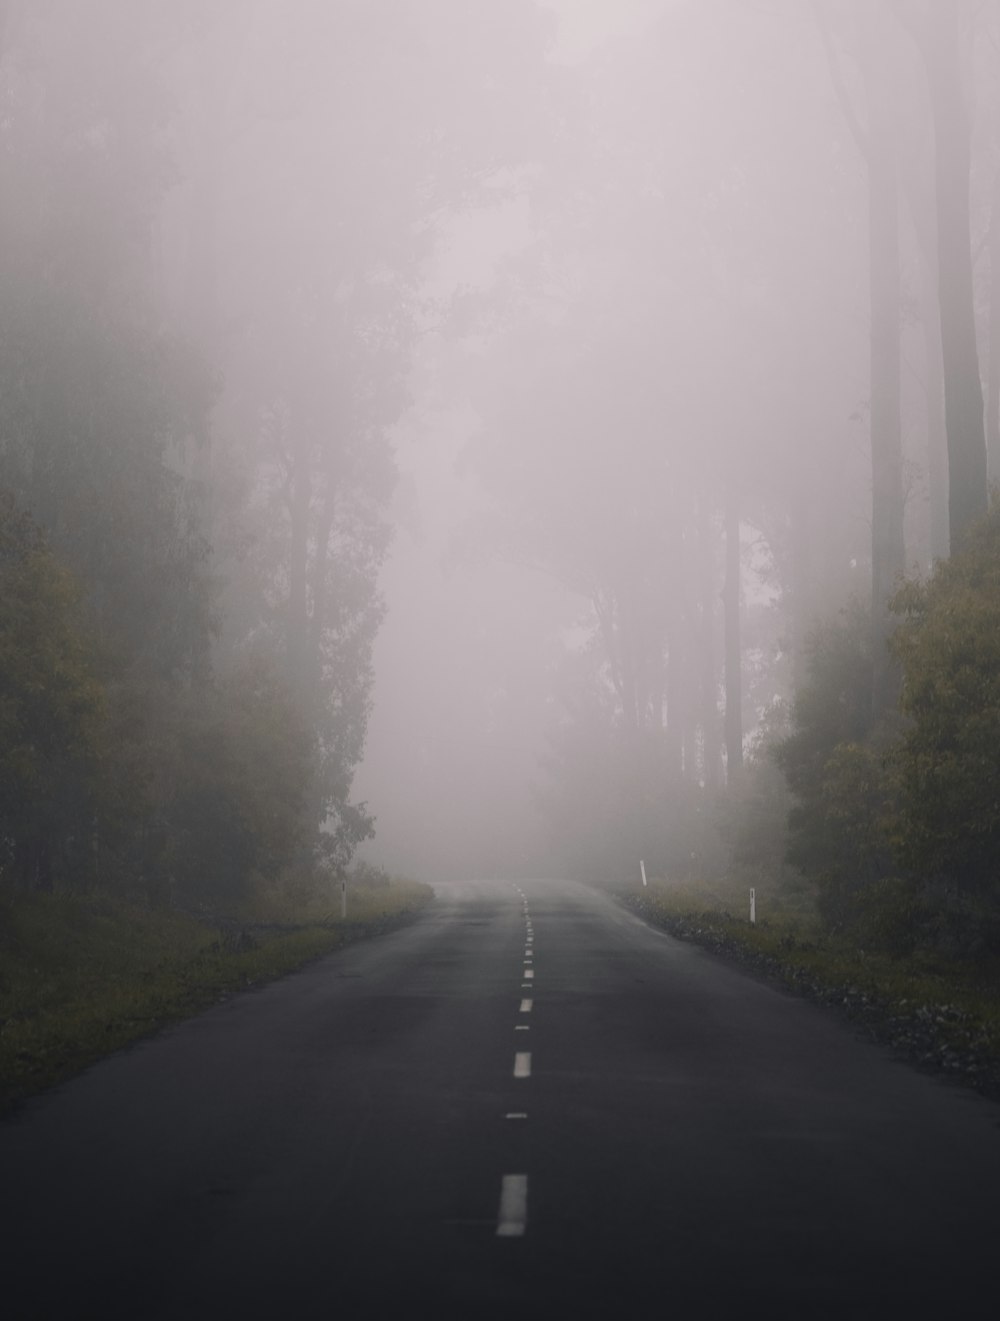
868	35
337	134
939	31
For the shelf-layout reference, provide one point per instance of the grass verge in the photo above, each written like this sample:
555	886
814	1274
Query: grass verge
83	975
941	1014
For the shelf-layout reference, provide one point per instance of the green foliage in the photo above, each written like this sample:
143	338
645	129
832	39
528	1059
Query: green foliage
834	706
948	760
52	712
901	824
827	765
843	821
242	766
368	876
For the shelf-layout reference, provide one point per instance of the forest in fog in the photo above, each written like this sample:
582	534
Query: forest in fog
508	437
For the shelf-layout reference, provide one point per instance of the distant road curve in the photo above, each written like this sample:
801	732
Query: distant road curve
527	1104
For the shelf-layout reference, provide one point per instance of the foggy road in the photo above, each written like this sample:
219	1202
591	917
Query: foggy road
528	1103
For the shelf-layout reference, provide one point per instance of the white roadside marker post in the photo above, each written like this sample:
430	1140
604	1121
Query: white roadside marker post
642	868
753	906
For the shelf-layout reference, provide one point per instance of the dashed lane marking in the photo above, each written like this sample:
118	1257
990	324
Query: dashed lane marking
512	1217
522	1064
526	1006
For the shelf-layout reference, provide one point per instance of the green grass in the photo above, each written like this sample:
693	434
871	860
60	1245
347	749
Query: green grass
83	975
942	1013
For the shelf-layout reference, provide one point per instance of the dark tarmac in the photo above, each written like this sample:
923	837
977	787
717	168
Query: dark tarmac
657	1135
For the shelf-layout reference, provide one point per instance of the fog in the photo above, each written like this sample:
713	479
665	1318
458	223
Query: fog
509	381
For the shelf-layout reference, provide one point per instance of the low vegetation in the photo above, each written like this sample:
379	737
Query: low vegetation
82	975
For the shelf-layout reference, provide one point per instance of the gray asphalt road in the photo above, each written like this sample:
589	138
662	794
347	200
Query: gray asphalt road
527	1104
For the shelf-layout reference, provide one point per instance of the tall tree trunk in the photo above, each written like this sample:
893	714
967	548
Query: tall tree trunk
300	502
937	440
734	676
918	189
888	555
706	649
800	572
993	388
673	737
878	148
320	588
963	394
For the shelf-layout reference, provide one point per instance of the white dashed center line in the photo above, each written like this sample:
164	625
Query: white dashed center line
522	1064
521	1027
512	1217
526	1006
516	1114
529	972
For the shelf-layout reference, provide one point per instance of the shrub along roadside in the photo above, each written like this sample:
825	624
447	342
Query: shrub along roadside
942	1015
83	975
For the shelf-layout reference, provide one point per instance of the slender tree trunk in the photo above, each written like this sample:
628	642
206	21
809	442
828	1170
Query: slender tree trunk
297	634
320	589
800	571
877	145
673	737
919	192
734	676
707	664
963	394
937	440
888	555
993	389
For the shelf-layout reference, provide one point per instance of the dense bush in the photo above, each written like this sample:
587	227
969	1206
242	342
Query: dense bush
52	712
900	822
948	644
133	783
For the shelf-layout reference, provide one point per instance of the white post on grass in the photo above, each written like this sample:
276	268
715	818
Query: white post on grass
753	906
642	868
343	898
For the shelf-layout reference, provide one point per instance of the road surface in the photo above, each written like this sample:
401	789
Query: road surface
528	1104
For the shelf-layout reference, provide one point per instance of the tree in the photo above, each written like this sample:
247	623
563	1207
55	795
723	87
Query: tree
936	28
875	141
52	712
948	644
840	825
239	804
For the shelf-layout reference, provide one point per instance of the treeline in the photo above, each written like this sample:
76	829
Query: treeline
751	393
184	659
897	820
214	225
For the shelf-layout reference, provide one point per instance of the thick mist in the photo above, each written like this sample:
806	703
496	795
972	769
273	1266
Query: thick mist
461	417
